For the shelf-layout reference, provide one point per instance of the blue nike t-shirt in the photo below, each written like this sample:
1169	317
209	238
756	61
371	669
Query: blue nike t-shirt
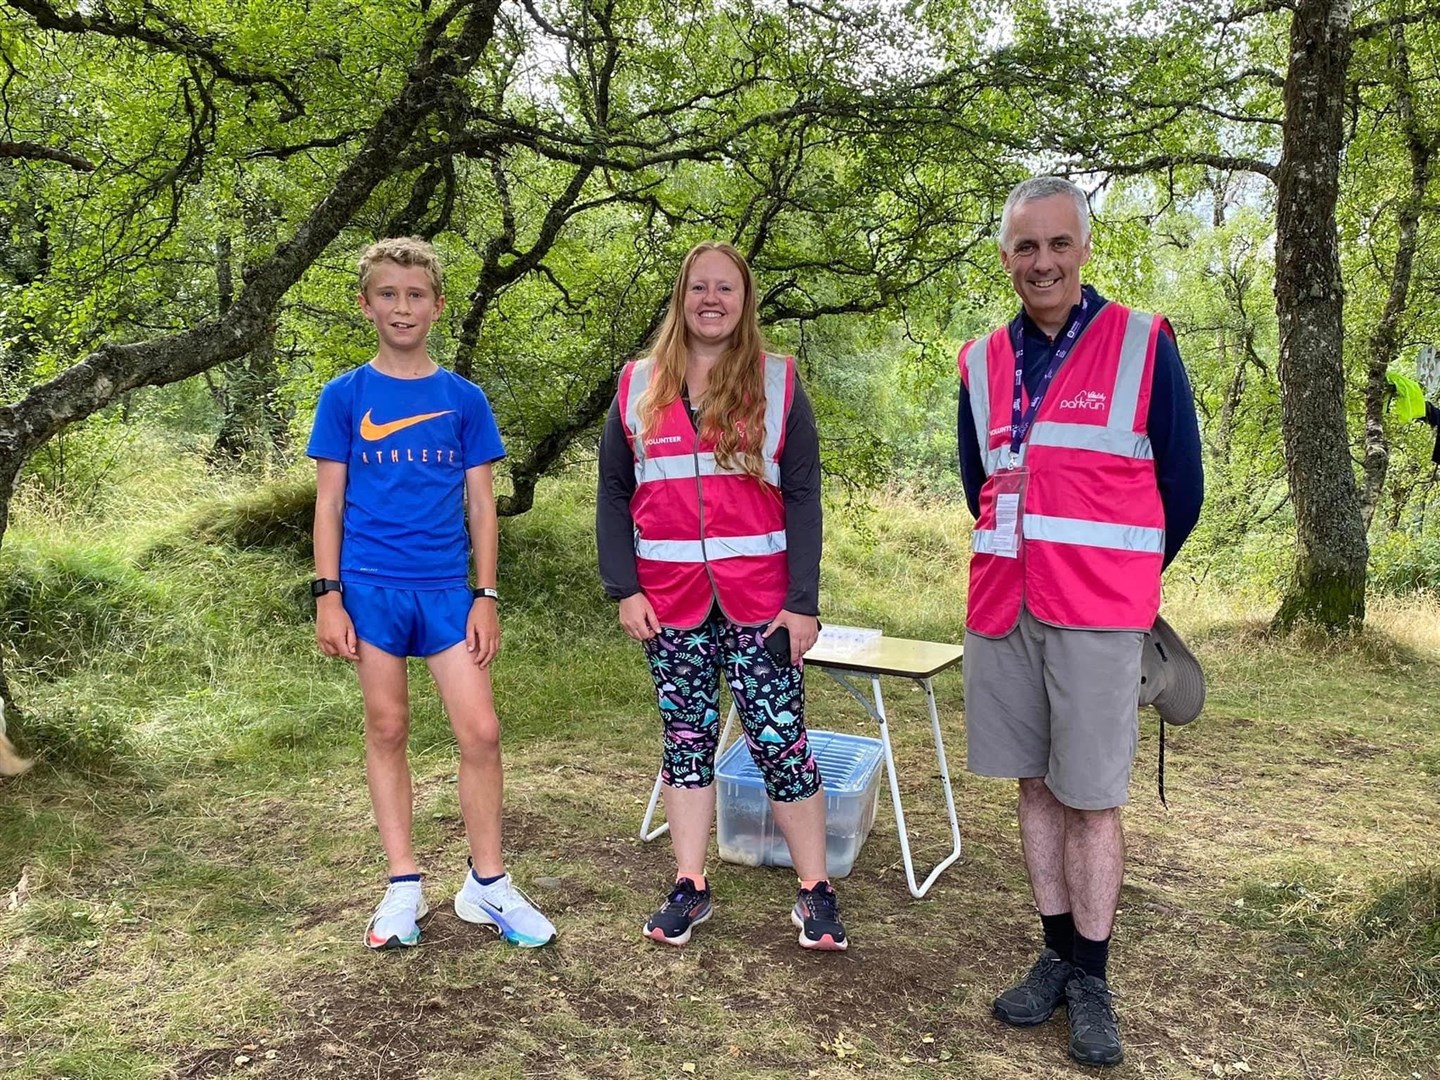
407	444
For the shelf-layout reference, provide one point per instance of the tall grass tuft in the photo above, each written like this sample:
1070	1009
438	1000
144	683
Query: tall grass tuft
60	605
281	514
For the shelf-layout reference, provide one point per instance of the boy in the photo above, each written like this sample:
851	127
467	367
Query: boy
403	452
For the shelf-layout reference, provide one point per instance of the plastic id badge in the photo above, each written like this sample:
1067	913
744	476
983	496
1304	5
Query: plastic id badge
1010	487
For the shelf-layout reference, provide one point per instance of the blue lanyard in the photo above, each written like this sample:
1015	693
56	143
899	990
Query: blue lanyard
1020	425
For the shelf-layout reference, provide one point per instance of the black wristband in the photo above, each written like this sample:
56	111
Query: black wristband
485	593
320	586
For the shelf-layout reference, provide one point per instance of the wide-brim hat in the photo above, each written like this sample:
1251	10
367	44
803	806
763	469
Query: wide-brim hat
1171	681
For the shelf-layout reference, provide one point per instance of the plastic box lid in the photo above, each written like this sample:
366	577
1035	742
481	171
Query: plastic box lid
847	763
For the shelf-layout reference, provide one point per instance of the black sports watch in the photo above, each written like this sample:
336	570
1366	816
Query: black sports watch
320	586
484	592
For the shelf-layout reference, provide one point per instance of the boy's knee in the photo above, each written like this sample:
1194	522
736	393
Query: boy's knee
388	731
480	742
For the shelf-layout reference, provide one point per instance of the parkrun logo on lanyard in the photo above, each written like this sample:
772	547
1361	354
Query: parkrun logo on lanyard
1085	399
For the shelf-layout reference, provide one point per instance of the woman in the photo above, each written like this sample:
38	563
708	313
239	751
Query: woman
708	524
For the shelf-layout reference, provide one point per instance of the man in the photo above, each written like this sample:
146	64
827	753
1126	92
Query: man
1080	455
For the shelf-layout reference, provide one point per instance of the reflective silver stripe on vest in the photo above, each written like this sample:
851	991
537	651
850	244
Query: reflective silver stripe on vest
710	549
982	541
1106	440
1062	530
684	467
775	368
977	365
1133	348
1101	534
639	382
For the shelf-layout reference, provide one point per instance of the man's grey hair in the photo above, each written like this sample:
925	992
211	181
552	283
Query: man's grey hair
1043	187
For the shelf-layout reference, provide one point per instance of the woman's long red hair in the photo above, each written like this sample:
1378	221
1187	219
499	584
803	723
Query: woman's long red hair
733	411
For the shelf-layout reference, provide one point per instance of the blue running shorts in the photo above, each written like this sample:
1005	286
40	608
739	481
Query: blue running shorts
408	622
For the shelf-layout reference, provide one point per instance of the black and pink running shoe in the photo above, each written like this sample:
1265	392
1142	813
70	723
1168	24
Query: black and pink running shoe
817	916
685	908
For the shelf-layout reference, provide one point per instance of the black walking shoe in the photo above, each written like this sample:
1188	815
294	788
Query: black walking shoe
1094	1033
816	915
686	908
1035	997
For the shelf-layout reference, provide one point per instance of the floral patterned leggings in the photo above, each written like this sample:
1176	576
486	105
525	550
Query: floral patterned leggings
770	698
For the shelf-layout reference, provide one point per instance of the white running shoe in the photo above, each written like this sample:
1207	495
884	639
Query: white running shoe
503	906
395	923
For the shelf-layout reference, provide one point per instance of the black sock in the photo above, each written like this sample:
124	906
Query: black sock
1060	934
1091	957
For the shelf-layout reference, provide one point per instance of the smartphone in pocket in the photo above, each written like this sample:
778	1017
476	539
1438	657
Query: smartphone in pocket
777	644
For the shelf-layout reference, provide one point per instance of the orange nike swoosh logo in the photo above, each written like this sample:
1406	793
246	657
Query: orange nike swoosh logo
373	432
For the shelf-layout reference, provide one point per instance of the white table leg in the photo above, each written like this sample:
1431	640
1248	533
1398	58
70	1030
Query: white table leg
646	833
920	889
945	782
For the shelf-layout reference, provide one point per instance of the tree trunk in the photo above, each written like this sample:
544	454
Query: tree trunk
253	428
7	700
1331	551
1384	342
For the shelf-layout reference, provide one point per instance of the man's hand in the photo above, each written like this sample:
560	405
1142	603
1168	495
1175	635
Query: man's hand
637	617
804	629
334	632
482	631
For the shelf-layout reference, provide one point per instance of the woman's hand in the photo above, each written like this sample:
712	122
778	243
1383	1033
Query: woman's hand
637	617
804	629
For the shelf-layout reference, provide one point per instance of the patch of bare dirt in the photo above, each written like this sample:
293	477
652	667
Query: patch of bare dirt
536	837
377	1015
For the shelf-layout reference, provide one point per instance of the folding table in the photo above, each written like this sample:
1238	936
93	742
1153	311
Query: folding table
918	661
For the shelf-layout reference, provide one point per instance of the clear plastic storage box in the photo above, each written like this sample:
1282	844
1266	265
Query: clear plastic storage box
850	767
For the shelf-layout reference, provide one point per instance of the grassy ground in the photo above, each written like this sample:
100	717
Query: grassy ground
190	872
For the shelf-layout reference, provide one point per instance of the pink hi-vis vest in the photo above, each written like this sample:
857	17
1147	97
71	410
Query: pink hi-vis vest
702	533
1092	527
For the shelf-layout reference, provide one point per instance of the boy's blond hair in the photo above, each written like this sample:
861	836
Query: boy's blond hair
403	251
